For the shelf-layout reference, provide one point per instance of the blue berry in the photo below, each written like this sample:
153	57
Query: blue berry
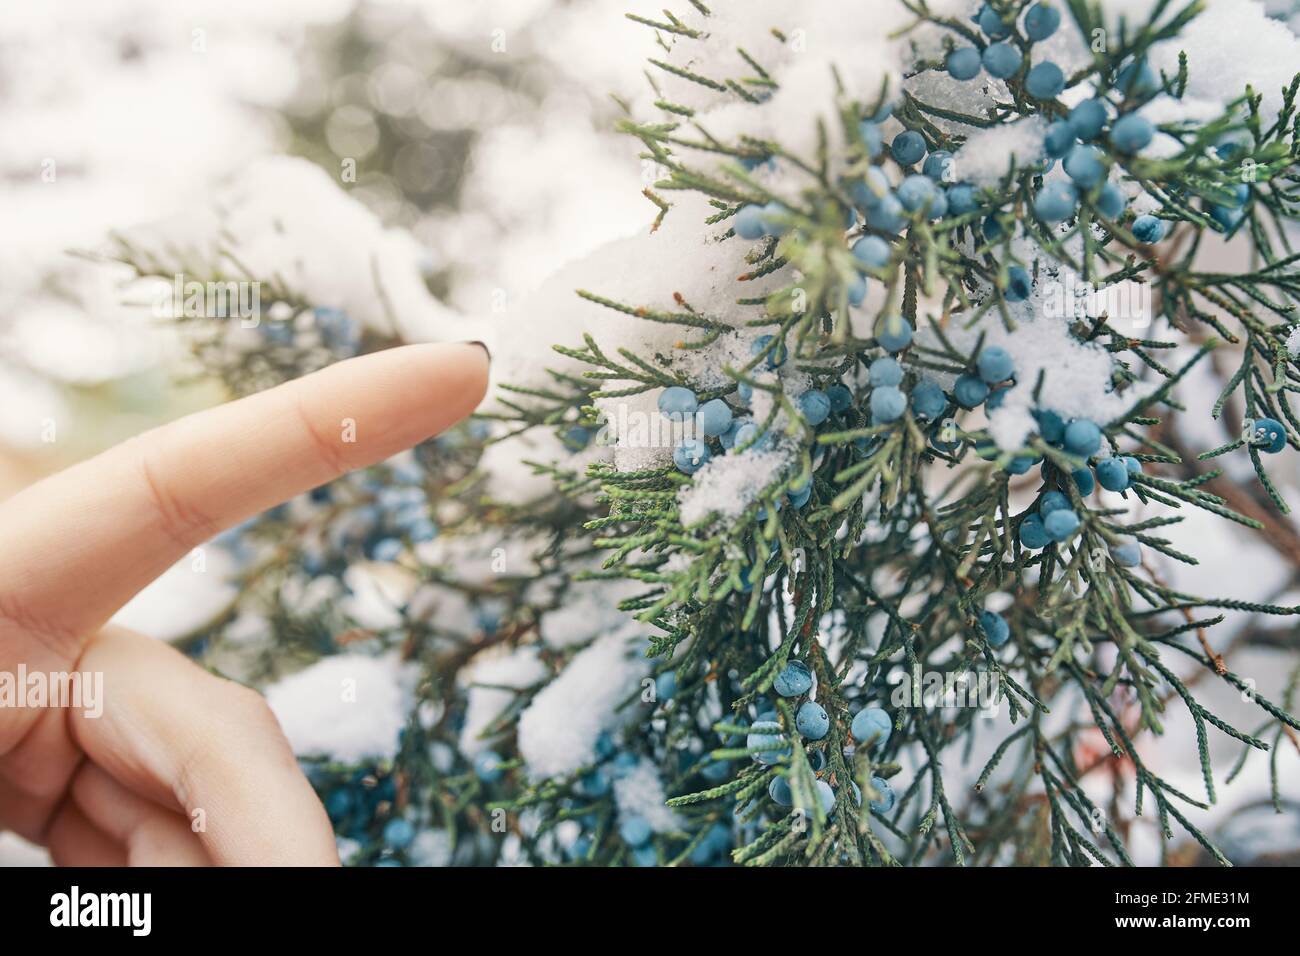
1082	438
812	721
487	766
1002	60
856	290
1083	165
666	686
691	455
872	251
887	215
970	391
1059	140
801	497
1052	501
1137	79
1019	285
871	727
635	830
964	64
1041	21
1131	133
871	137
916	192
776	358
894	333
386	549
749	222
887	404
908	148
399	833
991	229
795	679
728	438
1127	555
1148	229
779	790
1084	481
1032	533
597	783
871	188
714	418
746	435
991	23
996	630
1045	81
885	802
1088	119
677	403
938	166
941	443
1112	474
825	795
885	371
1268	435
840	397
1133	465
766	743
1111	201
994	364
1056	202
645	856
776	219
1050	425
928	401
815	406
961	199
744	391
1061	525
1229	217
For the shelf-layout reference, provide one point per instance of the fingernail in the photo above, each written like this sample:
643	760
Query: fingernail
483	345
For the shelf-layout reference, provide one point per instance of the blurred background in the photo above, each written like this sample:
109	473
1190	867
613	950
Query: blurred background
470	146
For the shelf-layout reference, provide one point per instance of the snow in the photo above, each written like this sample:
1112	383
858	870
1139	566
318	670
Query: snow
1293	341
185	597
558	731
350	707
1232	44
285	221
640	792
589	608
988	154
729	484
517	669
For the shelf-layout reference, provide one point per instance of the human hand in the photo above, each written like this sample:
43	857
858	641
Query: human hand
175	744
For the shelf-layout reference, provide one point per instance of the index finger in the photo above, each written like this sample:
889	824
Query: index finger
80	544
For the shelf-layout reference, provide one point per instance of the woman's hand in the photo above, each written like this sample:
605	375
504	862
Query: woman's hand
183	767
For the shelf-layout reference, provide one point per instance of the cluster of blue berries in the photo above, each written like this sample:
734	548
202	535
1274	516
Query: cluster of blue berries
636	832
360	804
1003	59
394	510
335	329
768	744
